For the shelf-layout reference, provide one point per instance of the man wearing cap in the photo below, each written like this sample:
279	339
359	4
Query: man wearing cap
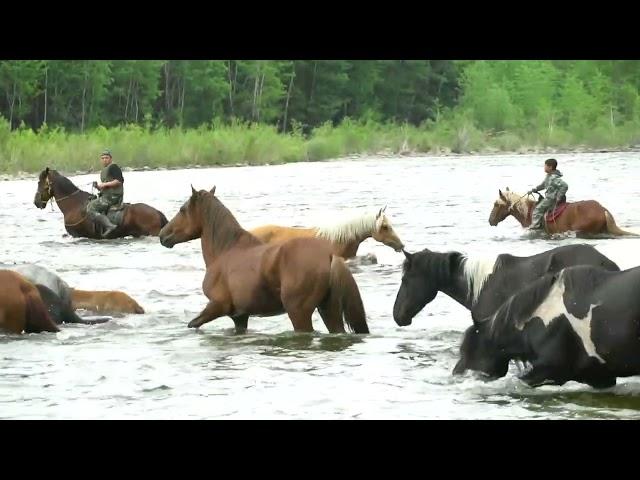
111	193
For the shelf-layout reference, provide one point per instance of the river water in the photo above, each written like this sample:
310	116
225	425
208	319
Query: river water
153	366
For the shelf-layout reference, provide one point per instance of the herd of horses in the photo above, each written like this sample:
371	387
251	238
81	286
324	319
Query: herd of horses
566	314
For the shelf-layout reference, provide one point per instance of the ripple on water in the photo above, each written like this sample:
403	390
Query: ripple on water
153	366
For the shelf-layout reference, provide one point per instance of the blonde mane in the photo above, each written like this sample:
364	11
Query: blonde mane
514	197
476	272
351	226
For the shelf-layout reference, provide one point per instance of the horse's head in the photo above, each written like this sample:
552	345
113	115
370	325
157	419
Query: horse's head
501	207
477	353
186	225
415	290
384	232
45	189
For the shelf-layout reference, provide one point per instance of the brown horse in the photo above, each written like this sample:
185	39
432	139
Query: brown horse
248	277
138	219
109	301
345	236
21	307
583	217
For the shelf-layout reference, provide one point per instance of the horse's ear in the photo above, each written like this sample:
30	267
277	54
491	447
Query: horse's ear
46	171
193	191
213	190
502	195
507	189
379	213
384	209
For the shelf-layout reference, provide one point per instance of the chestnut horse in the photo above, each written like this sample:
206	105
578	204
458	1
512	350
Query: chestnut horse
138	219
248	277
21	307
345	236
583	217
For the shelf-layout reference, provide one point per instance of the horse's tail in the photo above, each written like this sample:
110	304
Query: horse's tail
344	292
37	318
613	228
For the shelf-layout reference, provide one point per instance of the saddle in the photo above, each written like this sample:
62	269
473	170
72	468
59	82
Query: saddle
116	213
552	215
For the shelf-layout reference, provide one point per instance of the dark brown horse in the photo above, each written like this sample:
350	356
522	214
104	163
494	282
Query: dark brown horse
247	277
582	217
21	307
138	219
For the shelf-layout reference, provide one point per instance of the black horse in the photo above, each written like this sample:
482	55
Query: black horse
580	324
481	285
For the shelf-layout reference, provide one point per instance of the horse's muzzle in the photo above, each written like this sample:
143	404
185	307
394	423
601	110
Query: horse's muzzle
402	320
167	241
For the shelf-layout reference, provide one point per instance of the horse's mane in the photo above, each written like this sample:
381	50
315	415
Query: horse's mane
225	229
515	311
514	197
476	271
438	264
350	226
64	185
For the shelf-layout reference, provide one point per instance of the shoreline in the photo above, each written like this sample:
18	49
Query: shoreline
384	154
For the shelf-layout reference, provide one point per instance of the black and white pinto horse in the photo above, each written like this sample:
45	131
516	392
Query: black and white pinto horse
580	324
481	285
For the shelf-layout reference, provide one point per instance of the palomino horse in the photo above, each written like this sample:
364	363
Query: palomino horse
345	236
109	301
138	219
21	307
248	277
583	217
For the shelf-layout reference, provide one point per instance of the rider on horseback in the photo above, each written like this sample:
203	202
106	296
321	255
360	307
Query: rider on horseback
556	188
111	193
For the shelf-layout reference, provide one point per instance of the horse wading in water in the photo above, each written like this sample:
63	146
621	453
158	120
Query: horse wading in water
136	219
248	277
586	216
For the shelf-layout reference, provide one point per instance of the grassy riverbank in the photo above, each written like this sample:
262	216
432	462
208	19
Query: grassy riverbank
135	147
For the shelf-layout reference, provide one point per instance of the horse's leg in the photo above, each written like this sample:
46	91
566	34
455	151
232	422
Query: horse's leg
299	313
212	311
299	305
241	323
331	314
12	318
